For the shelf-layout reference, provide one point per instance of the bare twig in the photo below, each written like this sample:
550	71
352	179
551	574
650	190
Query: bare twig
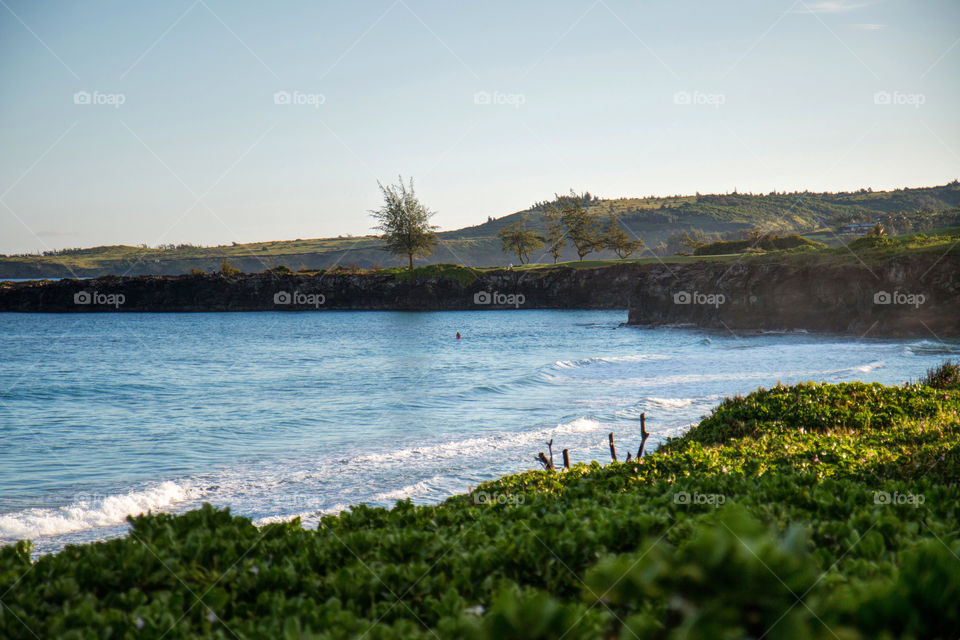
545	462
643	432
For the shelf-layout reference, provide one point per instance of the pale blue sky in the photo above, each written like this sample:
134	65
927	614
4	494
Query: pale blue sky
618	98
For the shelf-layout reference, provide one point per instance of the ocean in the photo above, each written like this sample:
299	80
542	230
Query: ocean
302	414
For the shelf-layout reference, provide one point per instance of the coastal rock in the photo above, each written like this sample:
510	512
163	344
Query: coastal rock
906	295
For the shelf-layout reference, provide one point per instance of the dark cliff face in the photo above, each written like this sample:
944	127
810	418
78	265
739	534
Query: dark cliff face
560	288
902	296
917	295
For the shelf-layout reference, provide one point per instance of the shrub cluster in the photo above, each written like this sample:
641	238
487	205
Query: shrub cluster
943	376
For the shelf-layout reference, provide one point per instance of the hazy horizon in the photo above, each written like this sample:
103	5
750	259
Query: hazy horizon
210	122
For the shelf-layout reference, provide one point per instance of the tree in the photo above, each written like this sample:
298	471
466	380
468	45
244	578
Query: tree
405	222
556	235
619	241
693	239
519	240
877	231
582	225
227	269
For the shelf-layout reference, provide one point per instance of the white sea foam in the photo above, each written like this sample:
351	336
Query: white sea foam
866	368
89	512
929	347
863	368
671	403
308	519
586	362
410	491
578	425
479	445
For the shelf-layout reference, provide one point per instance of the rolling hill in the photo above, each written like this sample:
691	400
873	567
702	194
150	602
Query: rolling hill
658	220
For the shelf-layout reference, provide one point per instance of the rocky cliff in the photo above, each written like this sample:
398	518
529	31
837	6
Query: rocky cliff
917	295
559	288
909	295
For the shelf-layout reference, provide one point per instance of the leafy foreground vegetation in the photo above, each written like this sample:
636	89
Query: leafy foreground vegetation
807	511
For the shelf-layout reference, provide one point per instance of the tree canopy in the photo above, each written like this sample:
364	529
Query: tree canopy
619	241
519	240
405	222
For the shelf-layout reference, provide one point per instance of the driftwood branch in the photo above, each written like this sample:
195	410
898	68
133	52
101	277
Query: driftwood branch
542	459
643	433
548	464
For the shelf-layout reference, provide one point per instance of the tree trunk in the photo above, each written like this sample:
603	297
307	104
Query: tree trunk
410	256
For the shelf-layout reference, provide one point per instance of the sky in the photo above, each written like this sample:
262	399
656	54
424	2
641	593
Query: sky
218	121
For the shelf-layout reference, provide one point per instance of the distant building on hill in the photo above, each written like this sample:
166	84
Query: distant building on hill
856	227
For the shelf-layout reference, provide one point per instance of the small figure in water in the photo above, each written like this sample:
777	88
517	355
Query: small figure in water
458	335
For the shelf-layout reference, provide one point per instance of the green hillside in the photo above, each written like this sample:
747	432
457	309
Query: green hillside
658	220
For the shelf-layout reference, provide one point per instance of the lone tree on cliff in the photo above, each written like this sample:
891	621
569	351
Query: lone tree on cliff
582	224
519	240
556	238
619	241
405	222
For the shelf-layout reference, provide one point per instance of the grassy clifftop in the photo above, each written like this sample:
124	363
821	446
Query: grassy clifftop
808	511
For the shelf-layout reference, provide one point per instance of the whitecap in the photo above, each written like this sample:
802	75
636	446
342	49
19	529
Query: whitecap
90	512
